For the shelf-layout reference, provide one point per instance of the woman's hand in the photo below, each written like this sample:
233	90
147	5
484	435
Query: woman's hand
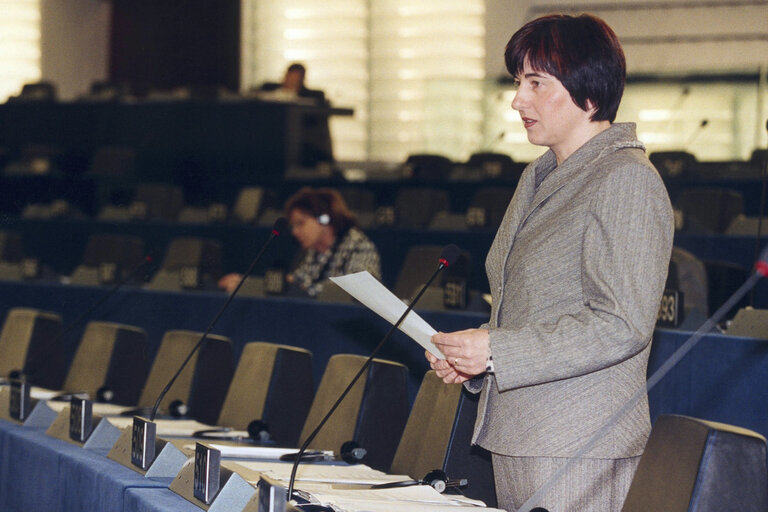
466	354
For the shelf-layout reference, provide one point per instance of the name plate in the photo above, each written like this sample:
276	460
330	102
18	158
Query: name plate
207	473
19	403
273	497
671	309
455	294
80	419
143	437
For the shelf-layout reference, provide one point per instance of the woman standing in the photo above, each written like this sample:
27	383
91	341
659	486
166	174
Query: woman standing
576	272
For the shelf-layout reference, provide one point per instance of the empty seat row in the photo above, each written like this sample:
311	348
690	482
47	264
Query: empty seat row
271	395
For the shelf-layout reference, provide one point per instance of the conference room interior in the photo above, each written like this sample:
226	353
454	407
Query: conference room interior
140	161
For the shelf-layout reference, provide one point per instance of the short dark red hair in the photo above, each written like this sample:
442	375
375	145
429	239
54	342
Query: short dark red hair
581	51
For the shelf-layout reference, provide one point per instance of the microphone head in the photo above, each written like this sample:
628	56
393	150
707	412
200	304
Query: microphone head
178	409
258	431
105	395
762	263
449	255
280	226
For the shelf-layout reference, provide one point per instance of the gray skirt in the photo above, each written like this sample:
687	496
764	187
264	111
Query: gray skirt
589	485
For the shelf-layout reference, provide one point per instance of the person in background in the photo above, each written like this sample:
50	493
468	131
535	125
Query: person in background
576	272
332	243
293	85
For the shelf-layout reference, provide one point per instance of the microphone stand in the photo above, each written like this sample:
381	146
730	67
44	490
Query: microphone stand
280	225
444	262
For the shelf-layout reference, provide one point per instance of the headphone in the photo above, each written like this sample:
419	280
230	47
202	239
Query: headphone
324	219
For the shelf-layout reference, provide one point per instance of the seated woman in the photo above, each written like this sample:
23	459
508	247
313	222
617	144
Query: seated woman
332	243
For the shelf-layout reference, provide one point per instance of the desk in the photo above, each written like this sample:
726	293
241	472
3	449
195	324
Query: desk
724	378
59	244
41	473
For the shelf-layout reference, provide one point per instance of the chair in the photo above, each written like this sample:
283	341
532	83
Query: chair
672	164
723	279
419	264
495	166
438	436
36	91
110	357
203	383
742	225
749	322
690	277
488	206
190	263
108	259
372	415
29	342
273	384
709	210
157	201
692	465
428	168
11	256
248	205
359	199
416	206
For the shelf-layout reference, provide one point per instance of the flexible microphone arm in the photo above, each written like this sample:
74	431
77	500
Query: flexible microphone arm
448	256
760	214
279	227
147	261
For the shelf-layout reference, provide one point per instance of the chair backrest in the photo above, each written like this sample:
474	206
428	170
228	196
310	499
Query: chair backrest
419	264
111	357
373	414
742	225
709	210
272	383
428	168
248	204
416	206
692	465
110	257
690	278
359	199
749	322
11	247
28	342
494	165
492	202
438	436
157	201
203	383
723	279
189	262
672	164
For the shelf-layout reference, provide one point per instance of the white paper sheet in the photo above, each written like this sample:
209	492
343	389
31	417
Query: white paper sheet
369	291
255	452
167	428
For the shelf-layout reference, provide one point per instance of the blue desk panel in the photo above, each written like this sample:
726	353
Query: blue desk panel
41	473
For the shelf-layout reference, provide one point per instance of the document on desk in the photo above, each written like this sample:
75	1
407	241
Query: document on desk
370	292
167	428
357	474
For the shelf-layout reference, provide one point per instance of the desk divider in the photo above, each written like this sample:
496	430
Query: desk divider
167	464
234	494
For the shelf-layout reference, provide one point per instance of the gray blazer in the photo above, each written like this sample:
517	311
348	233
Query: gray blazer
576	272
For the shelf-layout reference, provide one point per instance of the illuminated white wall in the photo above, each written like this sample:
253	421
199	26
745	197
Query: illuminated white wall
383	58
19	45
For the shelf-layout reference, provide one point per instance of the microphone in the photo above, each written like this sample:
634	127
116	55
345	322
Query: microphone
703	124
35	365
448	257
280	226
761	270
